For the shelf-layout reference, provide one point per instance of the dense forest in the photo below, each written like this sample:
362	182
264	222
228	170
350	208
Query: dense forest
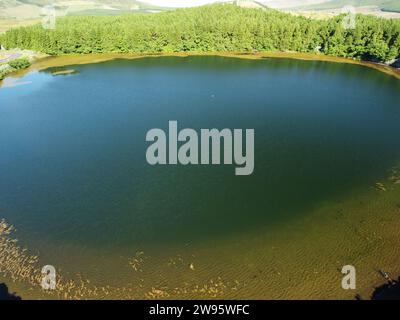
213	28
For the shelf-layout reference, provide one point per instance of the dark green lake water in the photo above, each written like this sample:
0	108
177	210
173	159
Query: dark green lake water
72	147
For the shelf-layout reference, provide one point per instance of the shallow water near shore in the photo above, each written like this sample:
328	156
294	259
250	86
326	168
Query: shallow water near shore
75	182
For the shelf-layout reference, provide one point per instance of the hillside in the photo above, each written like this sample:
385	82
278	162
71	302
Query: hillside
15	13
31	9
385	5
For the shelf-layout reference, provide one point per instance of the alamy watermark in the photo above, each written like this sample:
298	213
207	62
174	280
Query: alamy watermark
48	14
349	20
48	278
349	279
194	148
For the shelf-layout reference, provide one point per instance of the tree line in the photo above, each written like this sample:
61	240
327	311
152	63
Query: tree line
213	28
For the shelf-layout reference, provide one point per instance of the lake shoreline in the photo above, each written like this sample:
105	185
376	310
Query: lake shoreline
45	61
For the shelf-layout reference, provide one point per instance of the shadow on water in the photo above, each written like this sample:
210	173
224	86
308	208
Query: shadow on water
6	295
388	291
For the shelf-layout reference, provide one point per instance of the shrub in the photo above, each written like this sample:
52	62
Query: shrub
18	64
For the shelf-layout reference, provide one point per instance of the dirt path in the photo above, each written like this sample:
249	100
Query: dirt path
10	57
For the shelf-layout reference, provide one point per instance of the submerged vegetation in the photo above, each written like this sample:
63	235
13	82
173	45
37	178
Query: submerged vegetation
213	28
19	266
14	65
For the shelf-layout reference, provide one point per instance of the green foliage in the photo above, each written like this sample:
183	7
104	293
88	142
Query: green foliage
4	71
3	74
12	66
213	28
18	64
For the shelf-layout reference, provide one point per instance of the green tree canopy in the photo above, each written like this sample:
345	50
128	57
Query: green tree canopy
212	28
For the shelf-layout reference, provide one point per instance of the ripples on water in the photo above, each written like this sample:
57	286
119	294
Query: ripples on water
74	180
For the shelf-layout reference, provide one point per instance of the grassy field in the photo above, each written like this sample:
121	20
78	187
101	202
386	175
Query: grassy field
6	24
384	5
16	13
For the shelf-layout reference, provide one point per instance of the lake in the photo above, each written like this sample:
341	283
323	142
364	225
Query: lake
75	183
